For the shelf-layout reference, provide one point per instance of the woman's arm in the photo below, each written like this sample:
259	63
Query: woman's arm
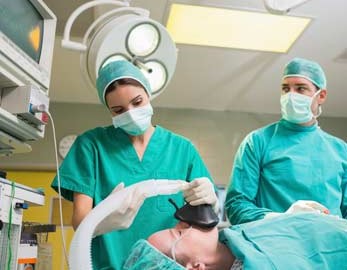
82	205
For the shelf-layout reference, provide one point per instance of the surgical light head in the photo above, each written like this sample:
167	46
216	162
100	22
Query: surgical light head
117	70
144	256
124	33
310	70
201	216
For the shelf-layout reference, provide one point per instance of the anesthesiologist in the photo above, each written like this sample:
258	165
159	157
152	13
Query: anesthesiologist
129	151
292	159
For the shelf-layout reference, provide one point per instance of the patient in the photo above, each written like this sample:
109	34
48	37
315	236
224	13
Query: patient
193	247
290	241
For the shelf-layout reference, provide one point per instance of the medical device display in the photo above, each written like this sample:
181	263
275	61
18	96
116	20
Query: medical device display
14	198
124	33
27	33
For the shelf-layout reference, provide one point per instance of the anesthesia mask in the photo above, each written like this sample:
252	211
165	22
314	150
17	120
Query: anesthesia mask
201	216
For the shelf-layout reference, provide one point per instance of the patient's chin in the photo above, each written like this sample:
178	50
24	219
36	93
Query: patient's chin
159	243
156	241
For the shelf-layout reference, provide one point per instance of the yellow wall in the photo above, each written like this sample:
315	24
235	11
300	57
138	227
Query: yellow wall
42	214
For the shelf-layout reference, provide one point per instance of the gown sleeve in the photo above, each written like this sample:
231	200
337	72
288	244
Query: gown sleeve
240	204
344	188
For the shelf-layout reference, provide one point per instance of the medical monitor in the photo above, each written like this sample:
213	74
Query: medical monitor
27	34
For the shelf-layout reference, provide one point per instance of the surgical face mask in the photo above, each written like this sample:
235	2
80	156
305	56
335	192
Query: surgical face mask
296	108
135	121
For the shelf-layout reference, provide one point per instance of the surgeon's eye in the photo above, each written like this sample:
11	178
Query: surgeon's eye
302	88
119	111
285	89
137	102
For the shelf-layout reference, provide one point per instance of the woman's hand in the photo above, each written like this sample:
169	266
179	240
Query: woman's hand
127	204
201	191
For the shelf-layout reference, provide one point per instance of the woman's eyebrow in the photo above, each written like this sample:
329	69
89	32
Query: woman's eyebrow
117	106
120	106
135	98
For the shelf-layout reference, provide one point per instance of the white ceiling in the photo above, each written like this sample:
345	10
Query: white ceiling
222	79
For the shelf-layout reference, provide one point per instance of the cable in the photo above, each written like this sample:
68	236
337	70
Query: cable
59	190
173	247
9	247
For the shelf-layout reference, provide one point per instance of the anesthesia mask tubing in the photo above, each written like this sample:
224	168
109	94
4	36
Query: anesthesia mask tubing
173	248
80	247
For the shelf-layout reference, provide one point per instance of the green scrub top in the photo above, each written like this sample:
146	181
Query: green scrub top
103	157
285	162
302	241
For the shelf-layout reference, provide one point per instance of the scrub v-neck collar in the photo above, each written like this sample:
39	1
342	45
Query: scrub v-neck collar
150	152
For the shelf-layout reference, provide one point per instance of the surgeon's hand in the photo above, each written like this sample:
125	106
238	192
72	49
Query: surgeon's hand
126	208
302	206
201	191
123	216
307	206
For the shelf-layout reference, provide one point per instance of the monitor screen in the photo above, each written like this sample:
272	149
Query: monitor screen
23	25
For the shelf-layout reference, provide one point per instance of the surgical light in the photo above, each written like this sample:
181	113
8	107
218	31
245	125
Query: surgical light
143	39
124	33
112	58
156	75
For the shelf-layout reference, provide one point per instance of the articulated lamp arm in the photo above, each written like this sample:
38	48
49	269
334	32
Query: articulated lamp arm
82	47
282	6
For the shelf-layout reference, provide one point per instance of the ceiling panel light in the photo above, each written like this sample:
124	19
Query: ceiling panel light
209	26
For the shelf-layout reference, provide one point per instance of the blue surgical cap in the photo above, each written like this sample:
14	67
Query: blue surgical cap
119	70
143	256
312	71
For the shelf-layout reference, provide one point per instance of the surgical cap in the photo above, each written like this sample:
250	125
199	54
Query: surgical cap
119	70
143	256
312	71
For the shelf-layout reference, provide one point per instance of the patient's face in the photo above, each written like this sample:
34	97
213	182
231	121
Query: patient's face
195	244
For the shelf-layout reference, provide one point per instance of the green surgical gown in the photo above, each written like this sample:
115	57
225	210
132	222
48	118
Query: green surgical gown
285	162
103	157
303	241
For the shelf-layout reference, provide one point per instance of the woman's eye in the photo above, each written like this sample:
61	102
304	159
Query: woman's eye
138	102
118	111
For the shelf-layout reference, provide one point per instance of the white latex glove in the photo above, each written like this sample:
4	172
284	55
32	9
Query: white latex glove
307	206
302	206
126	209
201	191
123	216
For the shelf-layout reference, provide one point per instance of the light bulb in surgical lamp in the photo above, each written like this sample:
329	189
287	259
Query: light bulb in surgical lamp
143	39
113	58
156	74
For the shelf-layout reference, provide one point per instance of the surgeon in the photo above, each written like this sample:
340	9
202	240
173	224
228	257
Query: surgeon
303	241
129	151
292	159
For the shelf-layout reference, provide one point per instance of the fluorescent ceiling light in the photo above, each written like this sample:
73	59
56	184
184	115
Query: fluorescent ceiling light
198	25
